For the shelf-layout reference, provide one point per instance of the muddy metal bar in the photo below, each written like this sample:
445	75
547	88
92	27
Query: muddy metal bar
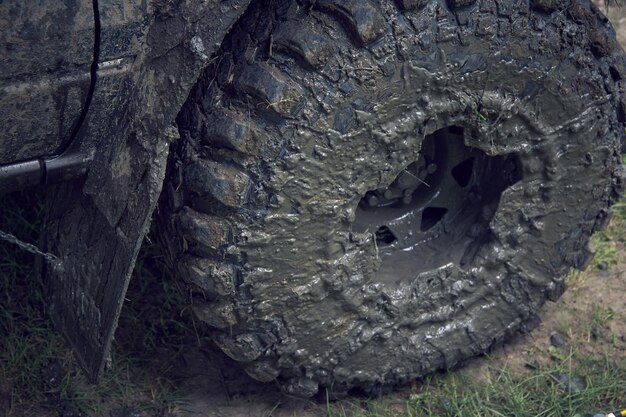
21	175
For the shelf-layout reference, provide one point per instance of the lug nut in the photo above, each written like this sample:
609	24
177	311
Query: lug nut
431	168
373	201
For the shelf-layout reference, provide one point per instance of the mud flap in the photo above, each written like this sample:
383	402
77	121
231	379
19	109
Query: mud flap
86	291
96	225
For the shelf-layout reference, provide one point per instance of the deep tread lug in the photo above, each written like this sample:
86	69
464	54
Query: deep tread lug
202	232
213	278
262	370
244	347
311	46
221	128
225	184
269	86
220	315
365	21
582	259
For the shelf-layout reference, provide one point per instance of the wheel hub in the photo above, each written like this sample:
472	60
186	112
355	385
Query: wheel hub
437	210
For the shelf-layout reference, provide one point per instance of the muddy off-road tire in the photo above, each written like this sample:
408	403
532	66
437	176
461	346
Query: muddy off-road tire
368	191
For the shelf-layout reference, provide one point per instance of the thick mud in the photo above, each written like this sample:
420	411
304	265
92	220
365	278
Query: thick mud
264	237
571	311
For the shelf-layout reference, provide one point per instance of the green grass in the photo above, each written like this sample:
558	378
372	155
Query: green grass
506	392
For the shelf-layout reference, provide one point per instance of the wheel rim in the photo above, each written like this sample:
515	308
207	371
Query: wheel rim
437	210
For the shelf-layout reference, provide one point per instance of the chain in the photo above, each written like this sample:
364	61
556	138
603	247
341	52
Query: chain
52	259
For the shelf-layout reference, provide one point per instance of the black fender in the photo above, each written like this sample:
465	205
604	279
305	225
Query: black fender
150	55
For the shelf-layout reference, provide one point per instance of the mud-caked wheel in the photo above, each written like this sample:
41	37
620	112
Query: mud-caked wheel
368	191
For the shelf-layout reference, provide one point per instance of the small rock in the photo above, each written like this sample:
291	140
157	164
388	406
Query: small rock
557	340
602	266
568	383
595	333
52	376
